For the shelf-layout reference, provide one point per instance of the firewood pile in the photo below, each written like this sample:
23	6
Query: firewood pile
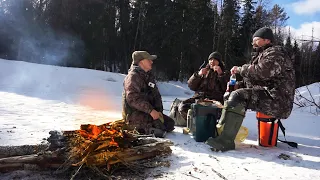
103	148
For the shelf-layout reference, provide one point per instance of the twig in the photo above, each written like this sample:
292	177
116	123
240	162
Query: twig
300	105
94	168
219	174
74	175
141	135
311	102
190	175
64	166
308	102
128	165
311	96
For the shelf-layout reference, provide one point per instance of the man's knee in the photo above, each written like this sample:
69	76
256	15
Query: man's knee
168	123
237	97
140	121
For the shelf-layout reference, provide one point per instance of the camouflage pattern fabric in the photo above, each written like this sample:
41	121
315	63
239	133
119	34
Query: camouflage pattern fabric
139	98
270	82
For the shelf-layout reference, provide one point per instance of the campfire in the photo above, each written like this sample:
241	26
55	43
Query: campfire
104	147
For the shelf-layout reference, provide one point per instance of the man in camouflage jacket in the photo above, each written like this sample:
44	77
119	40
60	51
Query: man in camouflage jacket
142	102
269	86
209	82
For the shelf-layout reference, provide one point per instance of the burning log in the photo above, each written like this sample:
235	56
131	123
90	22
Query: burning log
92	146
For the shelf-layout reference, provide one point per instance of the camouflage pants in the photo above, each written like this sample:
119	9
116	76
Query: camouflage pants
252	98
142	122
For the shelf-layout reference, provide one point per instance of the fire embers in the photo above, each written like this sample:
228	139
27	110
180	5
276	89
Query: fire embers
103	132
109	144
94	145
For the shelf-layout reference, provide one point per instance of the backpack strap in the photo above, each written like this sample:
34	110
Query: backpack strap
290	143
271	133
175	111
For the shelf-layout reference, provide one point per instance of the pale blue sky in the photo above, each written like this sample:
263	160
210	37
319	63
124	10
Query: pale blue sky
304	15
296	19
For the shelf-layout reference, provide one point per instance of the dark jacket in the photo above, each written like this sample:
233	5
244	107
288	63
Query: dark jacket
271	70
212	86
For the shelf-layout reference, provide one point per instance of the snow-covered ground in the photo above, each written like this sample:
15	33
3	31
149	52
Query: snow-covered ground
35	99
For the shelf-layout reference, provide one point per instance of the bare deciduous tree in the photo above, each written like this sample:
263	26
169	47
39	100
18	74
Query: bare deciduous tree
306	99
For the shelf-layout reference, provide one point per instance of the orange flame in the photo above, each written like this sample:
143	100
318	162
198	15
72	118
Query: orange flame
95	131
90	131
113	143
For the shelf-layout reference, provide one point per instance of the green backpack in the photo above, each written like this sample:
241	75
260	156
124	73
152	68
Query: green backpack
175	115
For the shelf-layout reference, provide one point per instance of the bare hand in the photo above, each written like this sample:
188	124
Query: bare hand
208	100
236	86
234	70
203	71
217	69
155	114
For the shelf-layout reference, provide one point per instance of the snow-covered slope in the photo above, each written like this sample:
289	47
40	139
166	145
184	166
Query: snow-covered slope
35	99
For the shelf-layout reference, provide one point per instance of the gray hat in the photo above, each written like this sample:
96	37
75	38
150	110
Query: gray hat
264	33
137	56
215	55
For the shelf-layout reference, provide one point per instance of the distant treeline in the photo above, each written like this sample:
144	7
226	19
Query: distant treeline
102	34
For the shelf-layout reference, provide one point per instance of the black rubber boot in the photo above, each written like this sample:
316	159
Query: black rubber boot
157	132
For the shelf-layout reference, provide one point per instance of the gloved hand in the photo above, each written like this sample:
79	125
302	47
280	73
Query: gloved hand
161	117
158	124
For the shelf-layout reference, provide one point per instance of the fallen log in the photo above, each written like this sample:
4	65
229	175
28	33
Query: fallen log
8	151
40	161
148	148
131	154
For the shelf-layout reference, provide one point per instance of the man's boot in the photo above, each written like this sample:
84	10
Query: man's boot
222	117
158	129
159	133
233	117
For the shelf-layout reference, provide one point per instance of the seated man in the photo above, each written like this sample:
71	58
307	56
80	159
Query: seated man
209	83
270	88
142	102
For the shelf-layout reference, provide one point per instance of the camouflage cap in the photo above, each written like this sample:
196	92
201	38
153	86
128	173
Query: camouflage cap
137	56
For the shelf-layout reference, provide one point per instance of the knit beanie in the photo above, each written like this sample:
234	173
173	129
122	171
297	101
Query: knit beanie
215	55
264	33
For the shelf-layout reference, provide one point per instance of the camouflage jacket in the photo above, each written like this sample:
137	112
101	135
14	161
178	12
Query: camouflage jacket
212	86
271	70
140	92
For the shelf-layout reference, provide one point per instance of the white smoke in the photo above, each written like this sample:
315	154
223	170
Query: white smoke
35	41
